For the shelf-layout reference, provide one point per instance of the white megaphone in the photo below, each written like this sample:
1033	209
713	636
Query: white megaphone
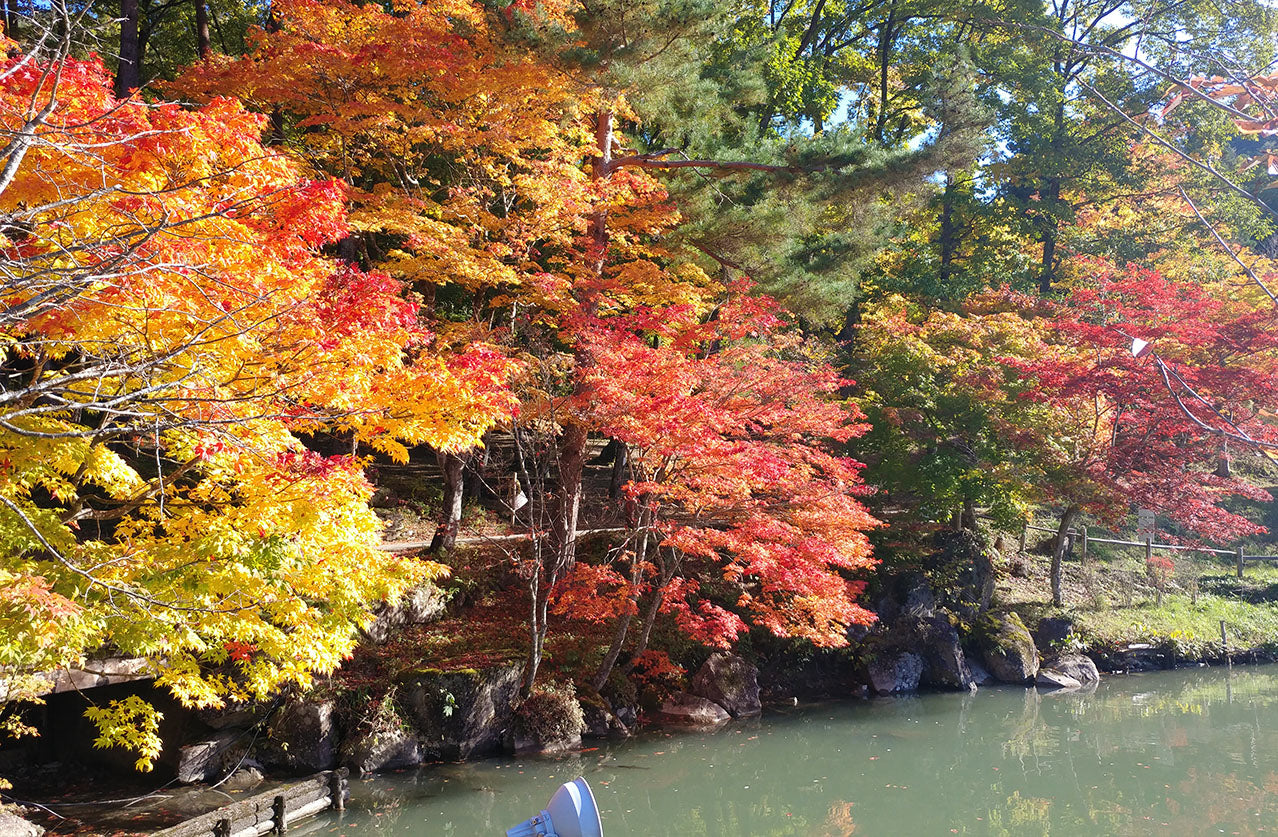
571	812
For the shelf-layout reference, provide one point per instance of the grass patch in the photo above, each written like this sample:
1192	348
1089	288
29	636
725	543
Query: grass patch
1192	630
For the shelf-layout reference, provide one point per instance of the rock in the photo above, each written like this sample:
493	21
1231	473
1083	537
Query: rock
920	601
460	714
550	720
1053	632
730	682
368	751
1049	679
1008	648
683	709
419	606
12	825
241	715
980	677
302	736
246	778
104	672
210	760
944	663
1078	666
1132	657
895	672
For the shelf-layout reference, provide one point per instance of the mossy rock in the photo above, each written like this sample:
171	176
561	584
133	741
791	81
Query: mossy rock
463	713
1007	647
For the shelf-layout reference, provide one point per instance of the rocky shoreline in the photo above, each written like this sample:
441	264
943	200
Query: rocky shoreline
920	642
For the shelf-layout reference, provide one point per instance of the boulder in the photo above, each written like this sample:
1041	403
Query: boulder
730	682
920	600
420	606
980	677
1007	648
550	720
246	778
368	751
460	714
945	665
1078	666
895	672
12	825
685	710
302	737
211	759
1049	679
239	715
1053	631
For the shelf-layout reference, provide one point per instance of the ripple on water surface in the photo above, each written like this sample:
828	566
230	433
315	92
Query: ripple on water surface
1171	753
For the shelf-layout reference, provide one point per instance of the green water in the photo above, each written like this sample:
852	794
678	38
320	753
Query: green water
1188	752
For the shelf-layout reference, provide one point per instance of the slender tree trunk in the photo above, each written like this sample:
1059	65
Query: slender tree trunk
276	136
649	619
11	18
623	622
536	624
572	444
572	456
949	235
450	517
1058	551
620	470
668	569
1047	270
129	75
1050	202
886	37
202	41
476	467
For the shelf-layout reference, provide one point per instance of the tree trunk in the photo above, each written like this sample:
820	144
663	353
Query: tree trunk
128	76
886	36
623	622
572	454
620	470
1047	270
649	619
11	18
476	466
949	234
1058	551
450	517
668	569
202	41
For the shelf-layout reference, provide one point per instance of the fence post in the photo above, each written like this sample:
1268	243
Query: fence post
1241	561
1024	535
1083	532
1149	549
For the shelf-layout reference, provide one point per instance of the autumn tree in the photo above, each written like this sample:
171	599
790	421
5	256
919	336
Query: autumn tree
729	419
171	334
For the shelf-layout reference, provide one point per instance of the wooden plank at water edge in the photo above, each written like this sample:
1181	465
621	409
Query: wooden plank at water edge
272	811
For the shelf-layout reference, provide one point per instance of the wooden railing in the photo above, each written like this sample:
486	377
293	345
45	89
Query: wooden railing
1240	558
272	812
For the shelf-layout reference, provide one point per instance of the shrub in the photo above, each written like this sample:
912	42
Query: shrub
550	713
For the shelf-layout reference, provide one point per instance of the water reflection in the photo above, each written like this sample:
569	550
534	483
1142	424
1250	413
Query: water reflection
1172	753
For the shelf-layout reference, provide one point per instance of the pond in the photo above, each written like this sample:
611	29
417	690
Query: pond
1175	753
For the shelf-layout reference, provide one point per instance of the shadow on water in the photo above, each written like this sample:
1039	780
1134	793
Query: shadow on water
1185	752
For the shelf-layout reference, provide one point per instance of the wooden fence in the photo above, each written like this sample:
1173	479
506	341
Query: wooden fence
1080	534
271	812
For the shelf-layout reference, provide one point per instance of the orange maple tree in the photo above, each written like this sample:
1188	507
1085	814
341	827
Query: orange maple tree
170	334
